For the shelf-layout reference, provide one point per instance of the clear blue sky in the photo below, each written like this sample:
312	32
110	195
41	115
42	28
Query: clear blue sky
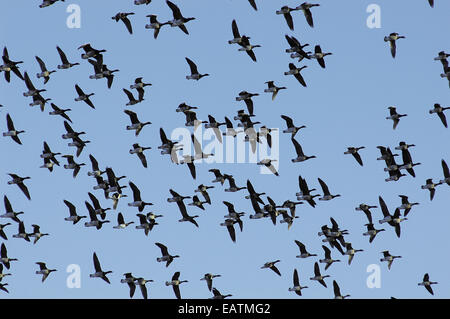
343	105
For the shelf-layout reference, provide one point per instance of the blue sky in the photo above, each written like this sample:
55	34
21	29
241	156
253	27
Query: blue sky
343	105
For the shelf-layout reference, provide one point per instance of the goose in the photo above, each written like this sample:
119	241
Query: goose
326	193
139	86
137	201
236	35
47	3
44	72
319	55
232	184
2	287
219	178
176	197
394	116
270	208
154	24
296	48
175	283
394	36
129	280
184	214
79	144
247	98
286	12
291	205
73	213
366	209
141	282
253	4
332	240
178	19
195	75
197	202
139	2
272	88
90	52
431	187
121	224
393	168
386	154
253	193
389	258
39	100
9	66
271	265
70	132
84	97
101	184
198	149
384	209
22	233
203	189
58	111
293	70
93	216
4	259
12	132
2	232
215	126
132	100
191	120
406	205
152	216
337	291
297	288
145	224
139	150
183	107
305	192
209	279
303	252
233	214
318	276
328	260
16	179
96	171
31	89
396	220
108	74
165	256
427	283
229	224
403	146
99	273
71	164
268	163
218	295
115	198
354	151
372	232
44	271
289	220
124	17
135	123
350	251
305	7
408	163
65	64
446	173
291	128
3	275
247	47
335	231
442	56
36	234
439	110
97	208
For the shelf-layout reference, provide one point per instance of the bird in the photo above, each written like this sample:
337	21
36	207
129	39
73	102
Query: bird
229	224
62	112
135	123
115	198
303	252
165	256
65	64
12	132
328	260
93	216
372	232
123	16
272	88
154	24
291	128
232	184
16	179
89	51
71	164
139	2
9	66
175	283
97	208
394	36
318	276
4	259
354	151
99	273
305	192
297	288
366	209
44	72
195	75
209	279
337	291
219	178
132	100
137	201
389	258
203	189
293	70
145	224
431	187
139	86
218	295
84	97
2	232
178	19
268	163
21	232
47	3
73	217
2	287
236	35
44	271
247	47
130	281
406	205
139	150
141	282
394	116
326	193
3	275
305	7
286	12
319	55
439	110
350	251
427	283
36	234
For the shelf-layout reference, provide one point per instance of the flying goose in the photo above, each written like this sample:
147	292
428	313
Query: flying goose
139	86
175	283
165	256
209	279
286	12
3	275
73	213
446	173
154	24
439	110
431	187
58	111
71	164
84	97
427	283
337	291
318	276
129	280
9	66
4	259
319	55
253	4
328	260
141	283
296	49
195	75
218	295
135	123
305	192
236	35
326	193
145	224
268	163
354	151
137	201
394	36
16	179
139	150
178	19
132	100
366	209
89	51
44	72
297	288
124	17
293	70
271	265
2	232
350	251
99	273
229	224
291	128
44	271
406	205
21	232
65	64
97	208
37	234
303	252
372	232
93	216
247	47
394	116
305	7
389	258
12	132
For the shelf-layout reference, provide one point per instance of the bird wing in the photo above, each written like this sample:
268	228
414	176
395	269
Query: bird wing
163	248
289	21
309	18
175	10
9	123
251	54
288	120
443	118
97	266
232	232
275	269
127	23
358	158
235	29
24	189
41	64
324	187
62	55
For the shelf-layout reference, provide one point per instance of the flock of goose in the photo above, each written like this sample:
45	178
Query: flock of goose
108	183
